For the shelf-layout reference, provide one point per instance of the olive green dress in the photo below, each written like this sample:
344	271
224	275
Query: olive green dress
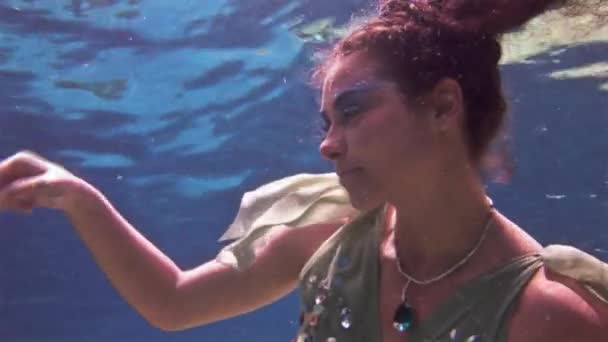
340	282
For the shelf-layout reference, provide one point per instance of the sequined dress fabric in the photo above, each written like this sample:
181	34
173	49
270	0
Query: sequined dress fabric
339	283
339	287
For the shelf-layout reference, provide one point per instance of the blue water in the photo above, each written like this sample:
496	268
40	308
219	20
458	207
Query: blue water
174	109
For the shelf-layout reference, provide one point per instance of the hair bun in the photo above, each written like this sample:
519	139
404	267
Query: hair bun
491	17
494	16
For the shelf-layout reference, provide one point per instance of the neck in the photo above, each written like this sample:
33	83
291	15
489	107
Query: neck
437	227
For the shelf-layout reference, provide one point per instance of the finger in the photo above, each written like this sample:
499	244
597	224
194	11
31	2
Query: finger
22	164
19	204
21	156
39	191
20	193
24	206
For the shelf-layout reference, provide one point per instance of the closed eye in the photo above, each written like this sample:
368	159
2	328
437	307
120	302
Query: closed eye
350	111
349	104
344	116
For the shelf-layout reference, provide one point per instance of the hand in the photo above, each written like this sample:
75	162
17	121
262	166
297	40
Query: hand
28	181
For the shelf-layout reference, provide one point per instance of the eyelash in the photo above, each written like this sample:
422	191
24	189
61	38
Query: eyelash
351	111
347	113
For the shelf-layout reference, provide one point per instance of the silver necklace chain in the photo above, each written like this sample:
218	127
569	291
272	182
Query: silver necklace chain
451	269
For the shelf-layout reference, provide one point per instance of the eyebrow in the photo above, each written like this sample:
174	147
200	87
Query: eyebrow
349	93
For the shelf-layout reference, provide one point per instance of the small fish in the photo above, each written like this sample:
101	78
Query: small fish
127	14
320	30
294	22
558	197
108	90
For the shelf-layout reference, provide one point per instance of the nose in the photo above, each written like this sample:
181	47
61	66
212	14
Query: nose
333	145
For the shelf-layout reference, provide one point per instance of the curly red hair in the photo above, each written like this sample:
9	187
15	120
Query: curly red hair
420	42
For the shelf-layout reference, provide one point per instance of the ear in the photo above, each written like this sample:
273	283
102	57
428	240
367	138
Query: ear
447	104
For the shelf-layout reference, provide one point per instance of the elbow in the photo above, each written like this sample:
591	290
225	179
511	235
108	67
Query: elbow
165	316
175	320
168	328
170	317
175	311
170	324
165	321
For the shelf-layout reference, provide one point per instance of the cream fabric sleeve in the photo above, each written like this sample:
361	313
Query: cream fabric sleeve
584	267
296	201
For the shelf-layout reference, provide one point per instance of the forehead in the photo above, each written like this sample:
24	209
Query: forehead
350	71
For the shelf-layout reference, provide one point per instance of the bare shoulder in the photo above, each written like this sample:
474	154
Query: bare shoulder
558	309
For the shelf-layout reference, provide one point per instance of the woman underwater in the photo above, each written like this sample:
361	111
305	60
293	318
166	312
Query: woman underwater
401	243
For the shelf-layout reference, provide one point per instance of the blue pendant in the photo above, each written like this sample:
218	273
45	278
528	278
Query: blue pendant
404	317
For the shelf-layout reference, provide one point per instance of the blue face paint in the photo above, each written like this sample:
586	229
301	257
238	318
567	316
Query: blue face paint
352	101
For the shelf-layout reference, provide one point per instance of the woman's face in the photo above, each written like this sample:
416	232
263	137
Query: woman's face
380	141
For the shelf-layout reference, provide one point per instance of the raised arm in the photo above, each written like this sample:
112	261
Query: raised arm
166	296
215	291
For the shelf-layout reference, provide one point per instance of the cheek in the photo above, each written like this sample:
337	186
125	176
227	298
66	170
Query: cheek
377	146
396	147
385	139
373	130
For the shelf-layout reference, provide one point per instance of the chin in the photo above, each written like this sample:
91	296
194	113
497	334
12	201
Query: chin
363	194
364	201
